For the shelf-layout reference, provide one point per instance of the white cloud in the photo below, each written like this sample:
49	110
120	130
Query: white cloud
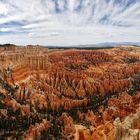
70	22
3	9
4	29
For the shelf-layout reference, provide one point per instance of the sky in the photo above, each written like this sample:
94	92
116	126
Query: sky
69	22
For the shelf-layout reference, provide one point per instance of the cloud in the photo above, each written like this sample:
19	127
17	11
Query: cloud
3	9
69	22
4	29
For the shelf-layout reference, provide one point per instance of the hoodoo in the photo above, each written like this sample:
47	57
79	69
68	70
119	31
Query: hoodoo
76	94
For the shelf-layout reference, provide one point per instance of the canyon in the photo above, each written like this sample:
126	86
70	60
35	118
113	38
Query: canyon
69	94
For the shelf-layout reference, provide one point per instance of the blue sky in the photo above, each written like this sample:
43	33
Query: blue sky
69	22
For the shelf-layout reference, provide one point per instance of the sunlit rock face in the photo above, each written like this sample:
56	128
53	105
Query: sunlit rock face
129	127
75	94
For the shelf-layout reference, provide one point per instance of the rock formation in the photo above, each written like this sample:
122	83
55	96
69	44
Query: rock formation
69	93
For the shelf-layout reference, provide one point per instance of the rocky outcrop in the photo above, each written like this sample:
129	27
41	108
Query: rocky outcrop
86	94
125	130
